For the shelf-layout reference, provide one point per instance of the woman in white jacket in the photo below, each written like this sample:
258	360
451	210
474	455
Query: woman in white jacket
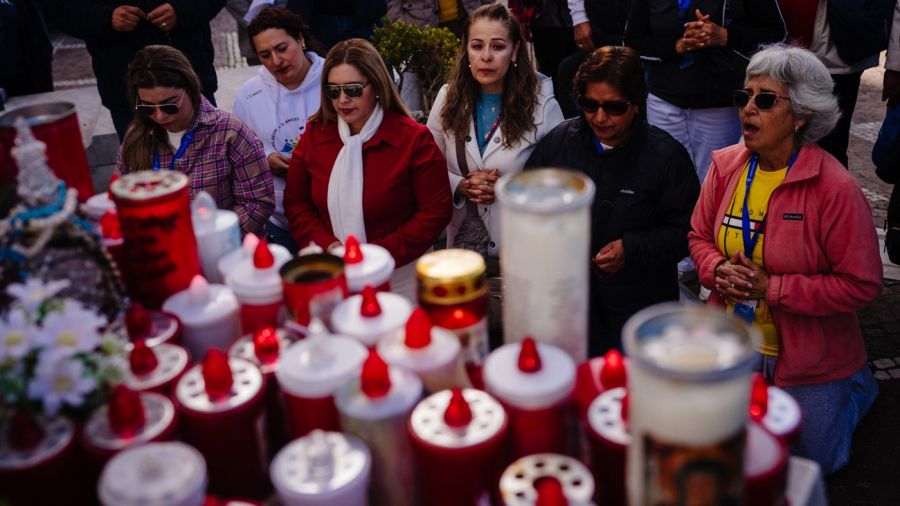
277	102
487	120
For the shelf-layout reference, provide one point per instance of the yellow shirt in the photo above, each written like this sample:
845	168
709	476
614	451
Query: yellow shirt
731	240
449	10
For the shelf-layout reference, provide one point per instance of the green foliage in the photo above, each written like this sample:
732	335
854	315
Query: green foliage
426	52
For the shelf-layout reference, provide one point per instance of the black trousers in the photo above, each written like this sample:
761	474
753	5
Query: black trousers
846	89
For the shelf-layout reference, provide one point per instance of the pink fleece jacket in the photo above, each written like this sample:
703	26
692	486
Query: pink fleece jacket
821	253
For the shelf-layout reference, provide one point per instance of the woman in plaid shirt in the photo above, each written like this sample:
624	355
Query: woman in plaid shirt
176	128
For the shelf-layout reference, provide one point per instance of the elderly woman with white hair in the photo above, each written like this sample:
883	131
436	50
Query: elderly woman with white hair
784	238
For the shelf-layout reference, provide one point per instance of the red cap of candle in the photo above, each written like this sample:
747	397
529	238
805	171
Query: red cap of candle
262	255
142	359
418	330
266	345
110	227
370	307
125	412
458	413
529	358
625	404
352	251
137	321
216	374
613	374
24	432
759	398
549	492
375	379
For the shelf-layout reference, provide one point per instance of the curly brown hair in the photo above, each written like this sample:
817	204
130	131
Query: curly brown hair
154	66
617	66
290	22
521	87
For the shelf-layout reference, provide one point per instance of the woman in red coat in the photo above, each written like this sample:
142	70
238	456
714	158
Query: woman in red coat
363	167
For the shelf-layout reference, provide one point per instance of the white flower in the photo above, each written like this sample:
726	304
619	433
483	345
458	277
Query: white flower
16	335
71	330
58	381
34	292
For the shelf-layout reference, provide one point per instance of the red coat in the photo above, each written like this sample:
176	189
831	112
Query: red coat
406	190
821	254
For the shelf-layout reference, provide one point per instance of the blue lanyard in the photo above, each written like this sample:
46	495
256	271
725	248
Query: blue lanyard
185	142
751	237
598	144
683	7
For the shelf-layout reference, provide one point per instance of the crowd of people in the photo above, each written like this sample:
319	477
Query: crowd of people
652	105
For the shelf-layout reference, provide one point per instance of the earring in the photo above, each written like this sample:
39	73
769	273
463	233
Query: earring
796	130
377	97
515	64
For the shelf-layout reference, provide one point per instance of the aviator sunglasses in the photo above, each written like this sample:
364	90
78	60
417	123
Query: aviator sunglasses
763	100
352	90
613	108
147	110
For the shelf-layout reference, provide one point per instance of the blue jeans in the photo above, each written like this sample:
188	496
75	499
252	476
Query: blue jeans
831	411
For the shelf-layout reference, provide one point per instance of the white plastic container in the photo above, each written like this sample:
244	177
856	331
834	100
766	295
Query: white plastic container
358	317
209	313
243	254
154	474
218	232
373	268
257	286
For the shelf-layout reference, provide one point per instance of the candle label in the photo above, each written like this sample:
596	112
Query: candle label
708	474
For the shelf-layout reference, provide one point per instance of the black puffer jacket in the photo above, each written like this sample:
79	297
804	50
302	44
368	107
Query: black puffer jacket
646	191
112	51
607	19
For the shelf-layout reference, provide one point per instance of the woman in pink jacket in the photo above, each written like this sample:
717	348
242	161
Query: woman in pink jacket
784	238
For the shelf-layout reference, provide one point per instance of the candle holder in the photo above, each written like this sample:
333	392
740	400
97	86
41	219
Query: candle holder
209	313
173	474
257	287
371	317
366	264
314	284
520	482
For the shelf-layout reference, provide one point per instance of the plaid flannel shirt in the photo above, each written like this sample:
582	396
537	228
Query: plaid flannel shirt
226	160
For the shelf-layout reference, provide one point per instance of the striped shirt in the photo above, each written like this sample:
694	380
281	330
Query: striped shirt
226	160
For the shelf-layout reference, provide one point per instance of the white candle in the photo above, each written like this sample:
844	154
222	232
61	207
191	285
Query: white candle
218	232
209	313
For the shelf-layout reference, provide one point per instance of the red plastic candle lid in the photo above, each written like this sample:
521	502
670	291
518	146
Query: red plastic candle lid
247	384
172	361
159	418
427	422
59	434
613	373
529	357
759	398
247	349
142	359
550	492
125	412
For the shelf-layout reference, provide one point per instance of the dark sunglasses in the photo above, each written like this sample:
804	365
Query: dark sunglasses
147	110
763	100
352	90
613	108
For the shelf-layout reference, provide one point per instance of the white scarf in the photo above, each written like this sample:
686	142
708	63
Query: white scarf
345	187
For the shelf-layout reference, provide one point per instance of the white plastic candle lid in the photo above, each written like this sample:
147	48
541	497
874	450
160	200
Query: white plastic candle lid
318	365
209	220
97	205
191	388
347	320
405	392
255	286
783	413
163	327
59	433
375	269
540	389
443	349
202	304
231	260
154	474
604	416
159	413
517	482
171	361
243	348
320	465
488	420
764	451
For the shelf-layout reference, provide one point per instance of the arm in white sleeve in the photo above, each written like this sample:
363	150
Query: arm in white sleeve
576	10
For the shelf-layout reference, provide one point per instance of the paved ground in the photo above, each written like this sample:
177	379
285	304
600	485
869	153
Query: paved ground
872	476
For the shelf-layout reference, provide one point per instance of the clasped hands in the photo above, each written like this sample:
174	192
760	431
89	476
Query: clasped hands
701	34
478	186
739	279
125	18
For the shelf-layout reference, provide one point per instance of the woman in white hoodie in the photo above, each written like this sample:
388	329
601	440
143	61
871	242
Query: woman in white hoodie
277	102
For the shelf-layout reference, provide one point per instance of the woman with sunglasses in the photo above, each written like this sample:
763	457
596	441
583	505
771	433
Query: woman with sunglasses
364	167
279	100
176	128
783	236
645	191
487	120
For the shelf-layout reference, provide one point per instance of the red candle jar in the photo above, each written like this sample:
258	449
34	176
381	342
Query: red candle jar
172	473
609	439
129	419
459	440
161	250
452	288
370	316
222	404
154	327
366	264
520	483
39	462
765	468
313	285
310	372
156	369
534	381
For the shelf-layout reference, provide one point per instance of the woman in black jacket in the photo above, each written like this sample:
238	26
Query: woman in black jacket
646	191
